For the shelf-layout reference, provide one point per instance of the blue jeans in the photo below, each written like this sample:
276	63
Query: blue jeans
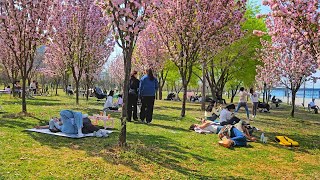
71	121
238	137
243	104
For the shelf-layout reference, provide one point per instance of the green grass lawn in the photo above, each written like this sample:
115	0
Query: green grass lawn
164	149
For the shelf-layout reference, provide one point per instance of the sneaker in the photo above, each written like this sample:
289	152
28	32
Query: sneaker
98	133
104	133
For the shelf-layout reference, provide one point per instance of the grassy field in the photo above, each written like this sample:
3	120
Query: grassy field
164	149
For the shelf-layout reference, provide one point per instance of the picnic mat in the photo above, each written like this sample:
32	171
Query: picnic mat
75	136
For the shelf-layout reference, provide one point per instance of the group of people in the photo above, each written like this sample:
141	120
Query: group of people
145	90
231	130
243	96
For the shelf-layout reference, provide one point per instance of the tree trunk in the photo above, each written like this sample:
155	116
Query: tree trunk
293	99
23	95
57	88
13	89
232	96
160	92
77	92
123	132
203	92
87	94
184	99
157	95
264	92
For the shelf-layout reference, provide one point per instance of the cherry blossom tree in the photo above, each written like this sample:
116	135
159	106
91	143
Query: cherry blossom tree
266	77
81	32
129	18
55	65
151	53
187	25
297	19
24	27
294	27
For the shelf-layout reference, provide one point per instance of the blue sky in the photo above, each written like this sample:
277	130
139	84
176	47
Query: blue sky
264	9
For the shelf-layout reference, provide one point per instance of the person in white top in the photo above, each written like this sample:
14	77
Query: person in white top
226	114
255	101
109	102
8	90
313	106
243	101
33	87
120	100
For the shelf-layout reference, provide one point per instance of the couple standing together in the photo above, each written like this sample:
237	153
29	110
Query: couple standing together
145	89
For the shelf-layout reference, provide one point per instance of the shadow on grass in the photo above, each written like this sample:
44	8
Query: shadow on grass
15	124
164	117
142	149
36	98
43	103
195	108
169	127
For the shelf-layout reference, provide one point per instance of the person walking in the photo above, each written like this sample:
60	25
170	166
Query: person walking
255	101
147	90
133	97
243	101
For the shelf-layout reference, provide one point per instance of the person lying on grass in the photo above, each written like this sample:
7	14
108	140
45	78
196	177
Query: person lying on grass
231	137
238	129
206	125
71	122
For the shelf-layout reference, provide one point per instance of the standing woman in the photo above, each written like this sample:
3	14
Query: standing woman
255	101
133	97
147	90
243	101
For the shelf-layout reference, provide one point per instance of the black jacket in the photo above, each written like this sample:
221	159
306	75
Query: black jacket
134	85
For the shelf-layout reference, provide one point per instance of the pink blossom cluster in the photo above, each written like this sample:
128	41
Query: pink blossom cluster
81	38
23	28
293	53
149	51
128	17
187	26
296	20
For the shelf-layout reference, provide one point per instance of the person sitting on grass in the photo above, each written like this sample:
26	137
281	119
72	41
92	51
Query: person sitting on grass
313	106
211	113
69	90
109	102
71	122
120	101
226	114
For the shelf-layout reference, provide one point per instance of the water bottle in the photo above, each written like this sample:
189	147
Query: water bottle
262	138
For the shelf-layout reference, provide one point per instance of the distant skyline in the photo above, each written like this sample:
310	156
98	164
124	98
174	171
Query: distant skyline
264	9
